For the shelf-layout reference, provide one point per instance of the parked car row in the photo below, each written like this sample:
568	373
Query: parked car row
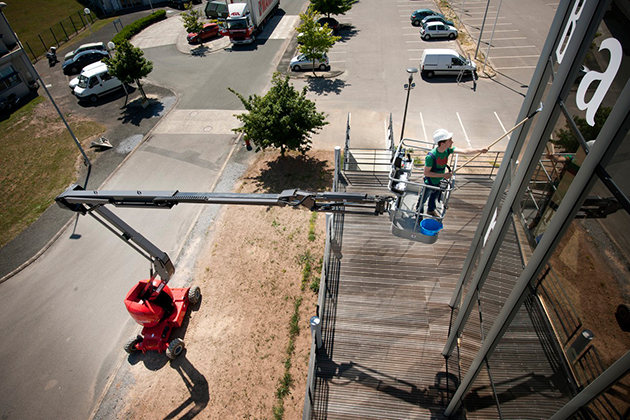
433	25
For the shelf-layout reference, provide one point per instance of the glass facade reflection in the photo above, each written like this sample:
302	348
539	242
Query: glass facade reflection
556	320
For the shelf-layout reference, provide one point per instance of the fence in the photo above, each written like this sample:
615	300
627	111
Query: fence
327	288
58	34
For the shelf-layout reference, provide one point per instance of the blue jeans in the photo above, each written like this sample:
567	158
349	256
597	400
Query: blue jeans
433	195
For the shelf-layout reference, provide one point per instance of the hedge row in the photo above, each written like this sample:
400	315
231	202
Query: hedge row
136	27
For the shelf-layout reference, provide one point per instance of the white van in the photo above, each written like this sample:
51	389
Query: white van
445	62
96	81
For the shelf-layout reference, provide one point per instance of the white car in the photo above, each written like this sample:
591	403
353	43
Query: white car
100	46
437	30
75	81
301	62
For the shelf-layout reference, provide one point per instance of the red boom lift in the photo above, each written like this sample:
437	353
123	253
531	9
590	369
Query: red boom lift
151	303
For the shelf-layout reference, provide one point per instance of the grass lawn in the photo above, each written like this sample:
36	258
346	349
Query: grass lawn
38	161
30	17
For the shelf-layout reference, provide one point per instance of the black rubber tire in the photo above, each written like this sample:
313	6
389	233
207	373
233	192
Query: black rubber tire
426	37
623	312
451	36
74	70
429	74
194	295
175	348
415	23
297	68
130	346
323	67
93	98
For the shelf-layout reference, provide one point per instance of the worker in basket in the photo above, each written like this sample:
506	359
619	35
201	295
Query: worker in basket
435	164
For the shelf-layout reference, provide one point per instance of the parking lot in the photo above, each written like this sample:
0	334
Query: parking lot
377	48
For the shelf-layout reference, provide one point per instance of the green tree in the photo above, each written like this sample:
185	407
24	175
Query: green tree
331	7
281	119
129	65
567	140
315	40
192	20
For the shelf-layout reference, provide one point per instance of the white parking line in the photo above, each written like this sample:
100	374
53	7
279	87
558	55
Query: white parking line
514	46
516	56
497	31
464	130
424	128
514	68
505	39
502	126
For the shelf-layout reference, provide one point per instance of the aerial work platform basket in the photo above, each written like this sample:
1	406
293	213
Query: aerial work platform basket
408	215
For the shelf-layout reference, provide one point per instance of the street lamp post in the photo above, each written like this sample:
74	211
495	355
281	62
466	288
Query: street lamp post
409	86
87	18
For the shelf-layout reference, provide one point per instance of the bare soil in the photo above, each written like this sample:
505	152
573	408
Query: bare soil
251	278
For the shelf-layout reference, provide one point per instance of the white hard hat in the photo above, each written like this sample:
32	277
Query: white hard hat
441	135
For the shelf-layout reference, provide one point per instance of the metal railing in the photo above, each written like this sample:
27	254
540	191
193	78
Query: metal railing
327	289
58	34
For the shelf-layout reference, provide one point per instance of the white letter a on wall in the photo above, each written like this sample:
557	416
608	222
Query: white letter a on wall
605	80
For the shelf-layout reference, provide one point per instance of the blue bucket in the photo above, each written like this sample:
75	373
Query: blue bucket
430	227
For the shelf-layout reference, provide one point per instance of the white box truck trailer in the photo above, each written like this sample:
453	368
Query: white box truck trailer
247	18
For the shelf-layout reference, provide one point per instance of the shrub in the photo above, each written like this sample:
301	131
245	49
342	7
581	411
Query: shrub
136	27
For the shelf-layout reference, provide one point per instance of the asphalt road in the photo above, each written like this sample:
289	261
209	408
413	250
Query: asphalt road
63	318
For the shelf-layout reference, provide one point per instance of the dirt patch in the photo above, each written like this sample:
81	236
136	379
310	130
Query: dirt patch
251	276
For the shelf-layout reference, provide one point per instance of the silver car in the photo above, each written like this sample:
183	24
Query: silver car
301	62
437	30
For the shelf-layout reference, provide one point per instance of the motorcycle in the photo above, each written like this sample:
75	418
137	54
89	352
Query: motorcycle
52	56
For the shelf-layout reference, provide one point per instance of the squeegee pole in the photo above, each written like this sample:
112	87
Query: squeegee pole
530	116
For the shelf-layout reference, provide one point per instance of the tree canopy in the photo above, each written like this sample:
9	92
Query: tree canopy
192	20
315	39
569	142
331	7
281	119
129	65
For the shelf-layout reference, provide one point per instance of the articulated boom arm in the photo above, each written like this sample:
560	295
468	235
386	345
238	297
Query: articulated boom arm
93	202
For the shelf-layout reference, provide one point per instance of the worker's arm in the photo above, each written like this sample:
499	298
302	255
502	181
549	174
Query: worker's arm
470	151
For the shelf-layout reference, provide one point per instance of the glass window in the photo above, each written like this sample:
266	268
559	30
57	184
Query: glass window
9	78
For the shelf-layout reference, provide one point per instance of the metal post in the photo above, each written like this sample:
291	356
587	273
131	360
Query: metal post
337	167
64	31
411	71
483	24
53	34
73	25
316	330
491	38
608	378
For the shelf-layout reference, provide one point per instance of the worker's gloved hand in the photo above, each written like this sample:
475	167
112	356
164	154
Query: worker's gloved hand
484	150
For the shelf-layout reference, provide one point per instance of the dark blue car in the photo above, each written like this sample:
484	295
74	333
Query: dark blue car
418	15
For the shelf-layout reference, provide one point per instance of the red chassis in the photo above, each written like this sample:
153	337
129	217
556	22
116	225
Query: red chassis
159	309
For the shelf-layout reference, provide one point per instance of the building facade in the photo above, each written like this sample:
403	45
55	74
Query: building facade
15	74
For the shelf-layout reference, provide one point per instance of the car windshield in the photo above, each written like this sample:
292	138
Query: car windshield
83	81
237	23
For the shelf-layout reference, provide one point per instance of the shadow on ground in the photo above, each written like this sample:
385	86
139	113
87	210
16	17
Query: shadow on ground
322	86
295	172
